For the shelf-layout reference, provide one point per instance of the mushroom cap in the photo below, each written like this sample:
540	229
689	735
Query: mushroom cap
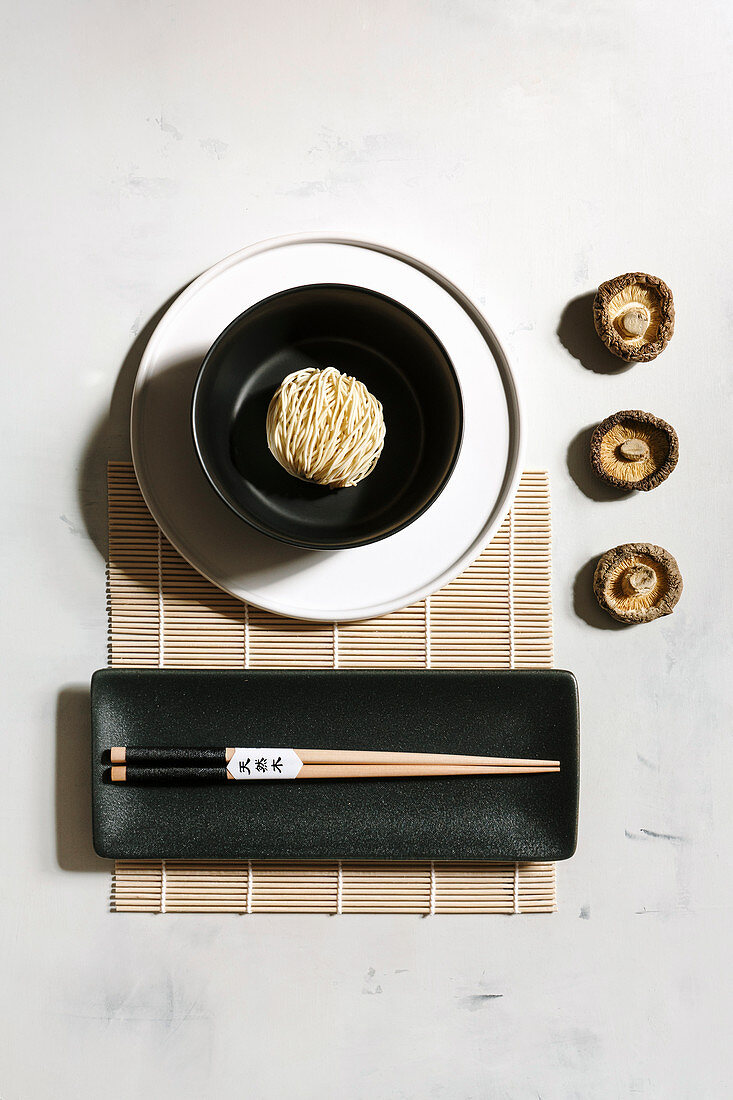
658	450
634	316
637	582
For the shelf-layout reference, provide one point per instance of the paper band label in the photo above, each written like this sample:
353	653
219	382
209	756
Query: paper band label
264	764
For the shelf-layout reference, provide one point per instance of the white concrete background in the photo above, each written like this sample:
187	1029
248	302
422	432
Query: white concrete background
530	150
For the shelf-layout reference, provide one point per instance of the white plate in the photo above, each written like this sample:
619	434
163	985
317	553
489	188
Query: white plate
311	584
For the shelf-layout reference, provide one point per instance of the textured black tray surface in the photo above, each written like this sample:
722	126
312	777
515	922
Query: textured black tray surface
522	713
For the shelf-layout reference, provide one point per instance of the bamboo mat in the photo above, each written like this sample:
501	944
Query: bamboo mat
497	614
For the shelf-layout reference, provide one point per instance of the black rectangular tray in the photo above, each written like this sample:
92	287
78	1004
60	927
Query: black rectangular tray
522	713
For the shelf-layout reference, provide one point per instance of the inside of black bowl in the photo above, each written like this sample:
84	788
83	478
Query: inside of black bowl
361	333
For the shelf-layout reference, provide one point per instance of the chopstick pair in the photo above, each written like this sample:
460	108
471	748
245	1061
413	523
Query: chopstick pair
212	765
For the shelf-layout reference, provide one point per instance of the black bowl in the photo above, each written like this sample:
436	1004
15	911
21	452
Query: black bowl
361	333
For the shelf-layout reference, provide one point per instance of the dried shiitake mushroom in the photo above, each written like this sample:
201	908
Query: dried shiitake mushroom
634	450
637	582
634	316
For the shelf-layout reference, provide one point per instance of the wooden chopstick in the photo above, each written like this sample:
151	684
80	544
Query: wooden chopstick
131	773
361	756
215	757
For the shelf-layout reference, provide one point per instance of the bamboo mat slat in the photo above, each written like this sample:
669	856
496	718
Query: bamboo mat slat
496	614
420	888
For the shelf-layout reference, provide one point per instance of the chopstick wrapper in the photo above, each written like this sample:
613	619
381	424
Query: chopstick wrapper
264	764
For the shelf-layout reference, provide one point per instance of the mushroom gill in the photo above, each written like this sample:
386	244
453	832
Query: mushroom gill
637	582
634	315
634	450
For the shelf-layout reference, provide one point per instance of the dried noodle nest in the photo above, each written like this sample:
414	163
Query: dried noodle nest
326	427
634	450
637	582
634	316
